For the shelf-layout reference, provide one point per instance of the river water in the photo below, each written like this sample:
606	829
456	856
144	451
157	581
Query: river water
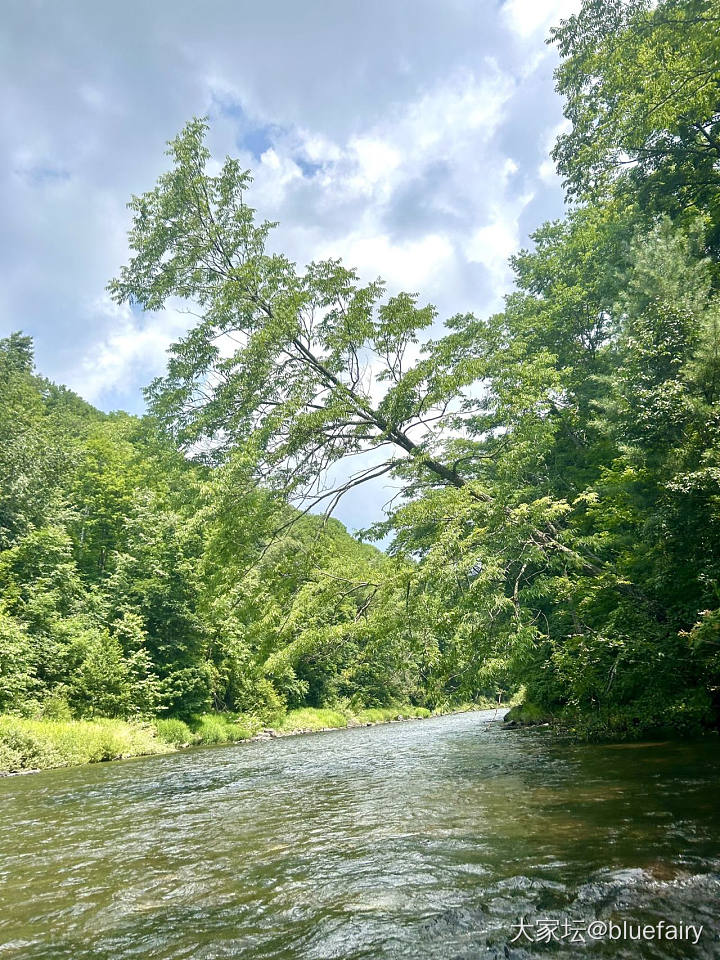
426	839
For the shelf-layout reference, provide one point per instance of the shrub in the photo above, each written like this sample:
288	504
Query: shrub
172	730
311	718
219	728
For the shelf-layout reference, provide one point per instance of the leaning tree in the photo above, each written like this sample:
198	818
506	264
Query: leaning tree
296	370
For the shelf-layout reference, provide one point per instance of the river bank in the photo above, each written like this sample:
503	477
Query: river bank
634	723
28	745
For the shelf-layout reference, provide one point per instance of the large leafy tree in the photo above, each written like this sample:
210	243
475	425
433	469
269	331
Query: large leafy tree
293	371
311	366
302	369
641	83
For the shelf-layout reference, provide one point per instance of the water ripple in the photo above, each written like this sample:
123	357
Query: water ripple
419	840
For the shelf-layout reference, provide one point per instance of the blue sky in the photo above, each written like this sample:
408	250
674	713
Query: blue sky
409	137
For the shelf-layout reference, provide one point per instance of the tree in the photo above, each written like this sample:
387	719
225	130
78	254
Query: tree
17	663
294	361
304	619
32	462
642	93
155	584
18	354
303	370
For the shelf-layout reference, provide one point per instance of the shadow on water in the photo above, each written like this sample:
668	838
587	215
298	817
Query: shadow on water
419	840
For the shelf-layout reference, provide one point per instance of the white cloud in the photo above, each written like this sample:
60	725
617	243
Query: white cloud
375	161
546	170
422	144
494	243
412	265
273	176
319	148
528	17
450	126
134	345
448	122
468	104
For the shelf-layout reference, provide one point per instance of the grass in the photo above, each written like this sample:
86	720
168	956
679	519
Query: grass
384	714
27	744
37	744
206	728
174	731
222	728
311	718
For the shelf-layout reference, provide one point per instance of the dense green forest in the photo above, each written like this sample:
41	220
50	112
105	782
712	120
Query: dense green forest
136	582
555	467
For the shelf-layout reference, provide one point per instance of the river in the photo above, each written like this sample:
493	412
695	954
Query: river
426	839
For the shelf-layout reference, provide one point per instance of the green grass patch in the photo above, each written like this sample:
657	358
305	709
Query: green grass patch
221	728
39	744
312	718
384	714
174	731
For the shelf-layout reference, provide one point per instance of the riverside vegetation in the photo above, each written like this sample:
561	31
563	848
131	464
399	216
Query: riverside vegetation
556	466
28	743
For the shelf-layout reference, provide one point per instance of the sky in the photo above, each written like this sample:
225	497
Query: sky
408	137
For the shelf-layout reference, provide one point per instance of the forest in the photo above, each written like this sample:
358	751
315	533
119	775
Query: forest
555	468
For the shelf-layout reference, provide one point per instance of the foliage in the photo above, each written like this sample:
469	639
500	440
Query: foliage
219	728
556	521
556	466
174	731
27	744
136	584
310	718
642	94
